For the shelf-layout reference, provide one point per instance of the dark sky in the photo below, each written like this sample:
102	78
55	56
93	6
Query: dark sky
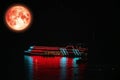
54	22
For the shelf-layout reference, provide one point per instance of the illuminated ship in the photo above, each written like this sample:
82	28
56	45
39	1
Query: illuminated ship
69	50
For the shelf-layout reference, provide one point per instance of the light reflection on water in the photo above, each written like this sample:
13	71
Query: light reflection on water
63	69
53	68
29	67
75	70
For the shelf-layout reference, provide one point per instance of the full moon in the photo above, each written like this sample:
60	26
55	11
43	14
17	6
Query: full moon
18	18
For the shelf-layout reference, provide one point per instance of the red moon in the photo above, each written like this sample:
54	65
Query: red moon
18	18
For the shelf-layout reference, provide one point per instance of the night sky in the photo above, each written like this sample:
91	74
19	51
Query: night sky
54	23
59	23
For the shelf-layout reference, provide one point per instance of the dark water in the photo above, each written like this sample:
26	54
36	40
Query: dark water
53	68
